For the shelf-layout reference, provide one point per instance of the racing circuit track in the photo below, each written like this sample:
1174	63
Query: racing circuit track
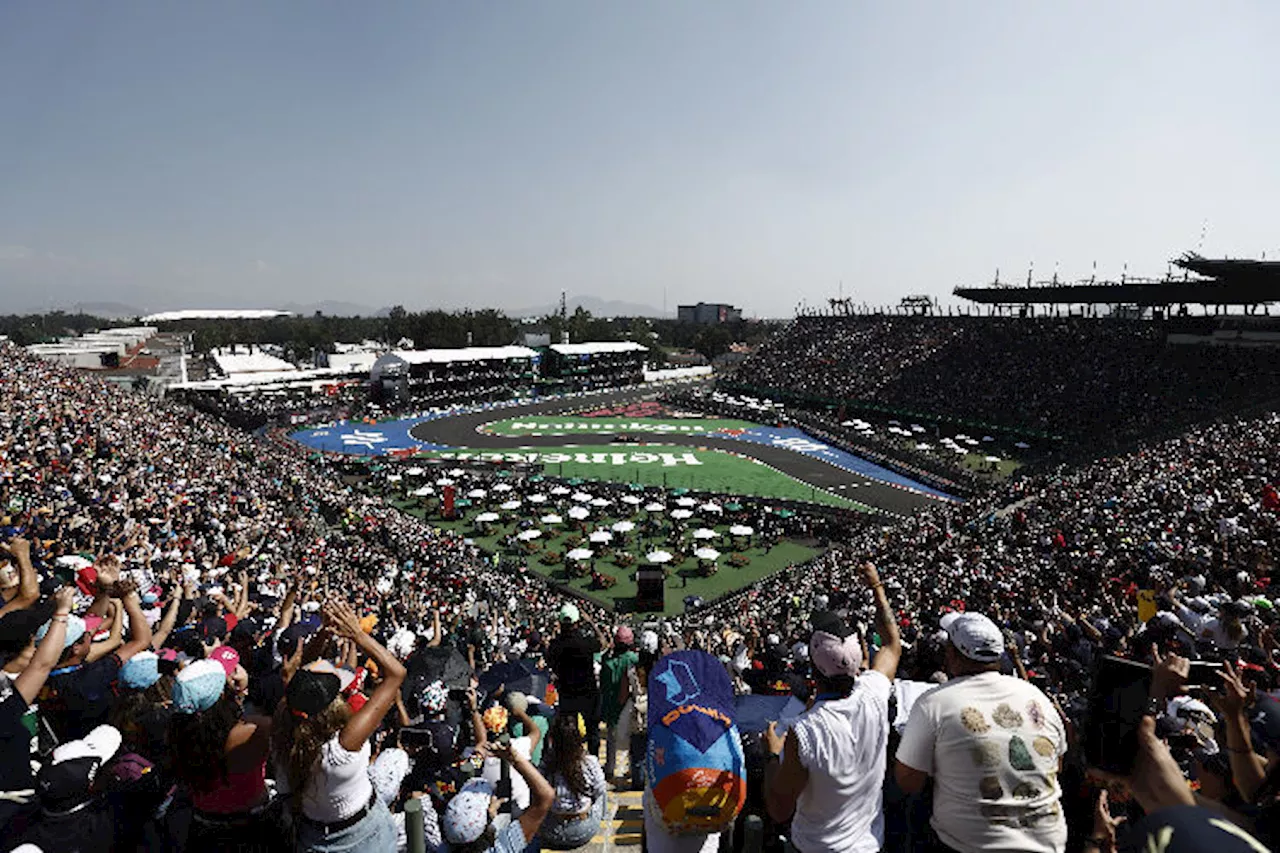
463	431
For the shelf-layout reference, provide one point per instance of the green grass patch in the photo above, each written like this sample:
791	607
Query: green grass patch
684	580
668	466
577	425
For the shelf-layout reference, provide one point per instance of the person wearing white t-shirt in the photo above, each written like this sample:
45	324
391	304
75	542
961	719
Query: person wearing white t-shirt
993	745
829	771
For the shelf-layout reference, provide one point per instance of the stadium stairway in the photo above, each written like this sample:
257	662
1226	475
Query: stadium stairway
620	829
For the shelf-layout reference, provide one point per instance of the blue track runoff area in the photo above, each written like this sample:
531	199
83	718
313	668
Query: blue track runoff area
383	438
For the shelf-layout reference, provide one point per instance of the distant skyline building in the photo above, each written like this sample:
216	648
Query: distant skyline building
708	313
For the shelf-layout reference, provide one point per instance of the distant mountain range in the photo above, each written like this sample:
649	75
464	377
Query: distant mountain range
597	307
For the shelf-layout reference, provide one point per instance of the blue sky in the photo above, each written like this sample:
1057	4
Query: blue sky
468	154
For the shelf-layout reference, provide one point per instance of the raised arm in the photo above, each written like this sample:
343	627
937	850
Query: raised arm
436	636
139	629
365	722
30	681
28	582
165	628
886	662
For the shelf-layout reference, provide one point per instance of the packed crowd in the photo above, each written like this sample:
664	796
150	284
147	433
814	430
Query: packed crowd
211	642
1108	381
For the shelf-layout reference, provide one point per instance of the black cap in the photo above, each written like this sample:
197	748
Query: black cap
1265	722
66	783
213	628
309	692
18	627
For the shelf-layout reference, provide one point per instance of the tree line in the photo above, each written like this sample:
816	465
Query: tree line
300	337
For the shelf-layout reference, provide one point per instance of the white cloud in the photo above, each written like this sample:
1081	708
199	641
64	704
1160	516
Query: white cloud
14	253
261	266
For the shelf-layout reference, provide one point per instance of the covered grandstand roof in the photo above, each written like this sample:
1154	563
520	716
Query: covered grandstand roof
594	347
1223	282
457	354
256	361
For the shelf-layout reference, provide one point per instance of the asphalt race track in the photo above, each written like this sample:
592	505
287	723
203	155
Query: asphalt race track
461	431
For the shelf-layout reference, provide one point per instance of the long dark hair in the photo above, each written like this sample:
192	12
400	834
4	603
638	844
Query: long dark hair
566	753
198	743
297	741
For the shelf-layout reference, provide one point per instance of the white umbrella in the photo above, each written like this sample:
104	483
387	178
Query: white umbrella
654	507
579	554
502	487
581	497
624	527
659	557
686	502
422	492
924	446
444	481
712	508
415	472
526	535
706	553
993	458
631	499
394	478
681	514
960	450
551	519
917	428
560	491
487	516
600	536
477	493
972	442
509	505
987	438
741	530
599	502
705	533
579	512
455	472
537	499
1022	445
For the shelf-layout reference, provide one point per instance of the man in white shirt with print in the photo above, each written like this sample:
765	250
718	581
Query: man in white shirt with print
829	771
993	745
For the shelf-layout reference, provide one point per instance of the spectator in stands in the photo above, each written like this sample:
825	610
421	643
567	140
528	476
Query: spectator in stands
220	756
80	693
75	815
614	667
572	657
993	745
579	783
830	768
26	668
467	824
322	749
19	583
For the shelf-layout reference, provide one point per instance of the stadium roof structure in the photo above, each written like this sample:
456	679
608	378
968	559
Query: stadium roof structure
234	364
596	347
461	354
215	314
1218	282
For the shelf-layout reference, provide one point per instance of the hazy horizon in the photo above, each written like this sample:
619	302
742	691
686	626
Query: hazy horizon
250	154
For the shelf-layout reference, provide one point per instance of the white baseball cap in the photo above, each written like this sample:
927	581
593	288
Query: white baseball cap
974	636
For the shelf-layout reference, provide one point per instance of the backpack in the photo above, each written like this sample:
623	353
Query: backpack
696	771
